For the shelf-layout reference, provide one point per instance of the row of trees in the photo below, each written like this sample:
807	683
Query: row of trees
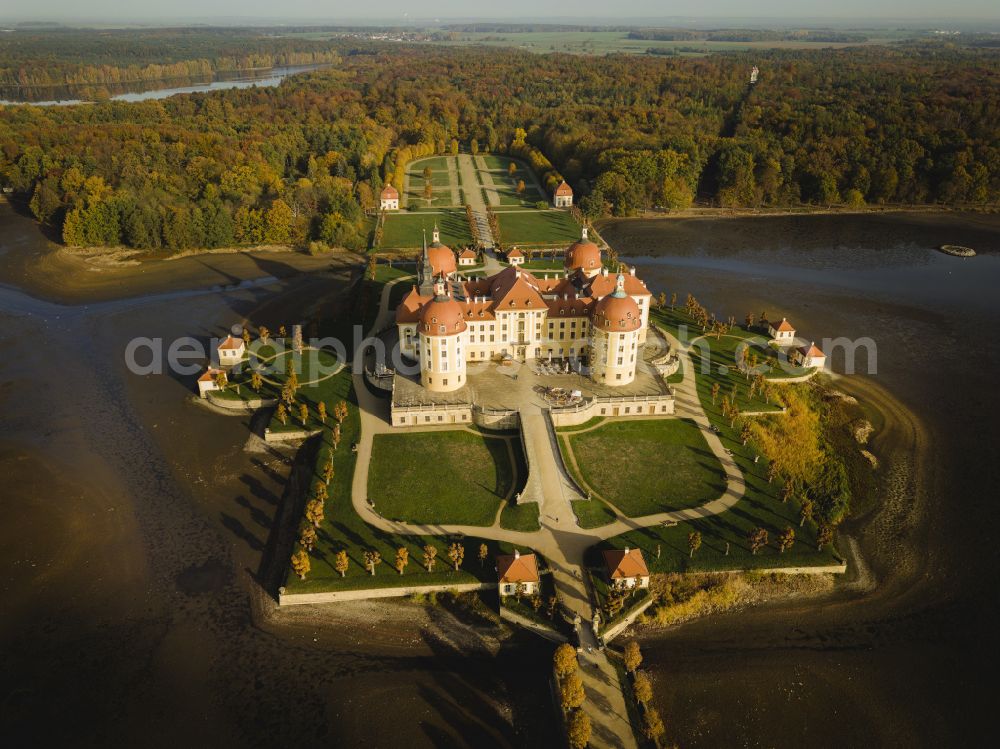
571	695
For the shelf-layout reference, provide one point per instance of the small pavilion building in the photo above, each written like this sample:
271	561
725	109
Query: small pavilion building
810	356
517	569
388	199
467	257
515	257
209	380
782	332
231	351
626	568
563	196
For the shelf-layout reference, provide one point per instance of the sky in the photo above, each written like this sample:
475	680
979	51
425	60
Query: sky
341	10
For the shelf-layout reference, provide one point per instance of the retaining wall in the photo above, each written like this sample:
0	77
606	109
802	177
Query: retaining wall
638	406
294	434
537	627
238	405
294	599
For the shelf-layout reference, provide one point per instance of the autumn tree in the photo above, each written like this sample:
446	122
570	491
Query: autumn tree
785	539
256	381
805	511
456	553
341	562
578	729
321	408
757	538
564	660
307	537
642	688
402	559
300	563
315	512
430	557
372	559
824	536
652	725
571	694
632	656
484	552
282	413
303	413
694	542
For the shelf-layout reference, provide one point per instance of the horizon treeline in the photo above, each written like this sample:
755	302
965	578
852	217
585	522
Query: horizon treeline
306	160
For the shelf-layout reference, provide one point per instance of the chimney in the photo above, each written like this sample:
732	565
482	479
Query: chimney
631	271
517	554
626	551
604	272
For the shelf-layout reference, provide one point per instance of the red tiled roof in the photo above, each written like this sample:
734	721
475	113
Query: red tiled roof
515	253
601	285
517	569
467	253
625	563
478	310
564	189
409	309
209	375
784	326
389	193
515	290
812	350
231	343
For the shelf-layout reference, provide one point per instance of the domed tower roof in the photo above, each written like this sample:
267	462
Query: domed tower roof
583	254
440	256
442	315
617	312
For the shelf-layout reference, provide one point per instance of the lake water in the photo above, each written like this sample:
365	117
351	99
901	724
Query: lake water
145	90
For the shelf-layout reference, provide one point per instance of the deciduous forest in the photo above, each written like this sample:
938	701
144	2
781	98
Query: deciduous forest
305	161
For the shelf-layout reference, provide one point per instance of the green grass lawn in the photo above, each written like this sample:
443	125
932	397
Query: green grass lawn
760	506
592	513
545	264
535	227
453	477
436	163
714	362
522	517
343	529
404	230
647	466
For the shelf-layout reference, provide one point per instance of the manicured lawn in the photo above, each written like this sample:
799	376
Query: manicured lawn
592	513
436	163
343	529
724	537
535	227
522	517
644	467
545	264
453	477
404	230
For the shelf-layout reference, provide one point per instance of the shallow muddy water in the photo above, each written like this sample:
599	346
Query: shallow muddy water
902	665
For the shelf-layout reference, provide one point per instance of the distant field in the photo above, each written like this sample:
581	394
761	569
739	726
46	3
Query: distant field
404	230
532	227
603	42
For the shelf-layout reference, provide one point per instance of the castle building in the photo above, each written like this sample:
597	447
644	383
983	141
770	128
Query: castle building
446	320
563	196
389	199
